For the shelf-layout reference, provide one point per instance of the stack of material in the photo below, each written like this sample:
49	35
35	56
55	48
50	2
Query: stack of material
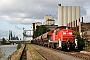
85	28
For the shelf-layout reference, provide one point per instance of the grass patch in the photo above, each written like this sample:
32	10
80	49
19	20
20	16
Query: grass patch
32	49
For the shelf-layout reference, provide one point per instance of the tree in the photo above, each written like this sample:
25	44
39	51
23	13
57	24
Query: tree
19	45
3	41
81	42
77	35
40	30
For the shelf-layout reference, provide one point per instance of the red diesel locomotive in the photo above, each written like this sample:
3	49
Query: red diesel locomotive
62	37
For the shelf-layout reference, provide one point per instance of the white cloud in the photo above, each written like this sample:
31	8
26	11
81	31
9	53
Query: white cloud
16	11
87	16
26	12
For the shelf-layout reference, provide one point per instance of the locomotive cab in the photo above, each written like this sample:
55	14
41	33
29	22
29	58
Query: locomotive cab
67	39
64	36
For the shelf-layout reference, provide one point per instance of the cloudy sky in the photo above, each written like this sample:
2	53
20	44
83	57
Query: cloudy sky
16	14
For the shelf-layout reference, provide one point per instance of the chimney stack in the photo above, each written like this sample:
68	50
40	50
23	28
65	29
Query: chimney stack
59	4
76	23
71	24
82	19
79	19
33	27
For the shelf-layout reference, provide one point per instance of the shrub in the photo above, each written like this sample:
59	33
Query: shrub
19	45
81	44
81	41
3	41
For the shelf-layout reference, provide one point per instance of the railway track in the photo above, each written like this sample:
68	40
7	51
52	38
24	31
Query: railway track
57	53
23	56
43	55
74	54
48	56
80	55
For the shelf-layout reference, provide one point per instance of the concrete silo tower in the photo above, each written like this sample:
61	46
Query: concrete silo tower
60	15
68	14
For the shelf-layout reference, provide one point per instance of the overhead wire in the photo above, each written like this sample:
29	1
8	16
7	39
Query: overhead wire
55	14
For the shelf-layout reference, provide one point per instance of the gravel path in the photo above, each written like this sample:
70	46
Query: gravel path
29	57
58	54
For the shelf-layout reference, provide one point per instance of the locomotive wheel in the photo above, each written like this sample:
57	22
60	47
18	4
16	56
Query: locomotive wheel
57	46
49	45
64	46
72	47
52	45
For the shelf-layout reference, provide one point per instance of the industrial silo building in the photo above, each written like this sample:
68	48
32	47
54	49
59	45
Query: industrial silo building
68	14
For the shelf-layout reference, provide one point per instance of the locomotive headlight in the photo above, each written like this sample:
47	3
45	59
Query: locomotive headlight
64	33
70	33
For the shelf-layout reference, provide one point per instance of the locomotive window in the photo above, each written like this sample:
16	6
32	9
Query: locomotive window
56	32
59	28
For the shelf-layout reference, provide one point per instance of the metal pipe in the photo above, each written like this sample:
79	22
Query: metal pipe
76	26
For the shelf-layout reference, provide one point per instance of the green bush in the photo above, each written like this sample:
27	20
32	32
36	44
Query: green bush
3	41
19	45
81	41
81	44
